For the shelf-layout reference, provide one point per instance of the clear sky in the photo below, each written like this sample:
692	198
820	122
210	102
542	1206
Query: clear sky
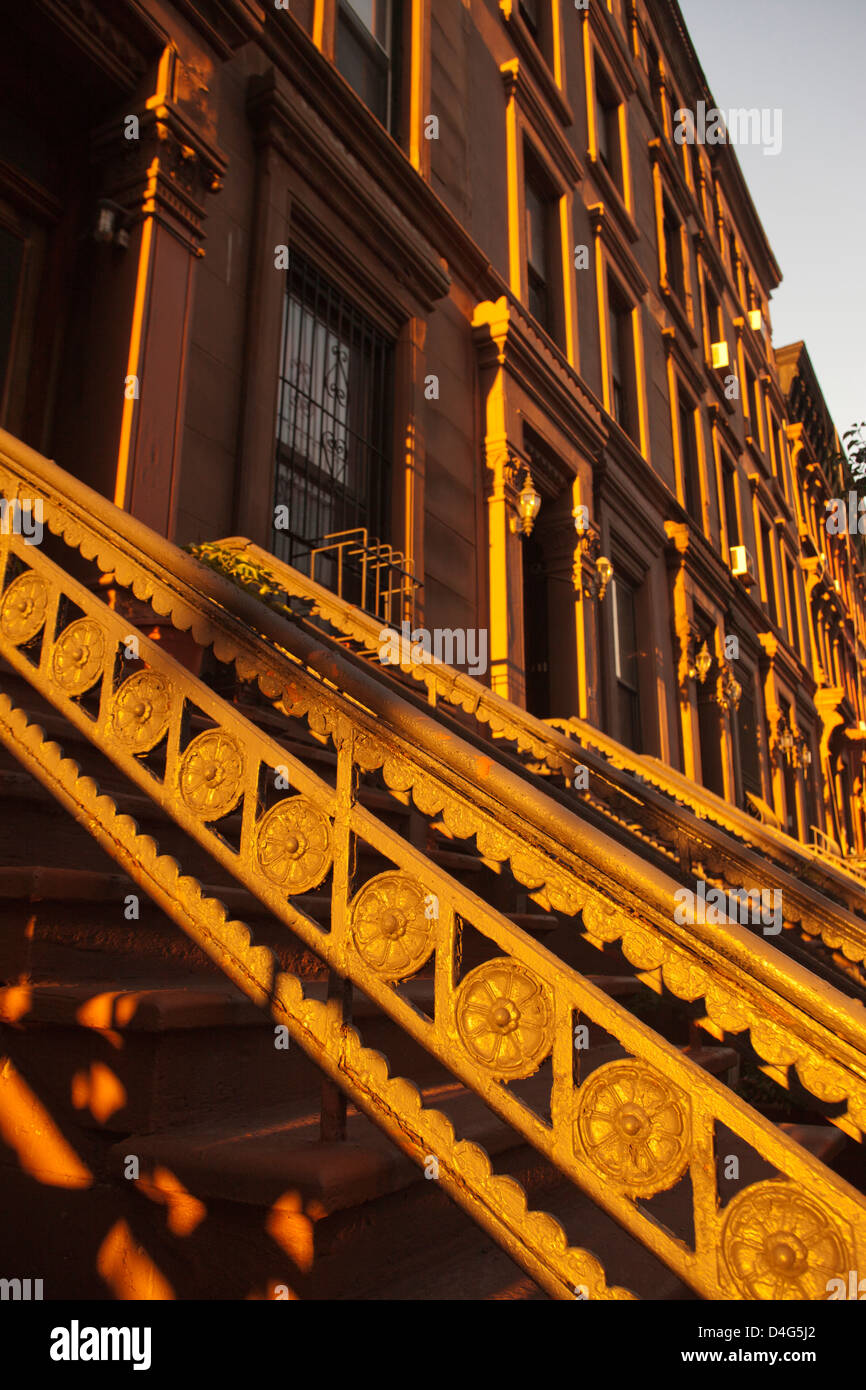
809	60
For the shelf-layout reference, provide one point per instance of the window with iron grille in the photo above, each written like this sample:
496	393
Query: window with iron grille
334	418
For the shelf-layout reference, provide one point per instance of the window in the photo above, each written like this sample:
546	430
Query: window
625	657
747	737
687	163
715	323
366	45
737	270
530	16
751	396
772	432
654	73
770	599
673	251
732	520
791	581
758	397
706	189
782	445
621	359
607	127
538	207
689	459
334	417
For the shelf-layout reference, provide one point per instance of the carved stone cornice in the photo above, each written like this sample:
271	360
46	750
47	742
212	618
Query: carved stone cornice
611	47
504	464
282	117
534	61
674	183
120	39
362	149
690	550
519	86
167	172
606	226
226	24
505	337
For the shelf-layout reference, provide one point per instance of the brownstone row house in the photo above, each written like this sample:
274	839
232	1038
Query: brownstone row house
425	299
497	258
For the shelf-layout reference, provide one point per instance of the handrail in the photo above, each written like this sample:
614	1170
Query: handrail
568	865
218	613
498	1204
679	810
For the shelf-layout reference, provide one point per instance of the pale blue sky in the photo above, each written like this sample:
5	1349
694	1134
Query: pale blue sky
810	61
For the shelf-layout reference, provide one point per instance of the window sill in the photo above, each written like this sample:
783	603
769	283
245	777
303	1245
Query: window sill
612	195
679	311
621	436
717	376
757	455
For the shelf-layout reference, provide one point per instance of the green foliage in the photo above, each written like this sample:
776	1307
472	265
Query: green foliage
242	572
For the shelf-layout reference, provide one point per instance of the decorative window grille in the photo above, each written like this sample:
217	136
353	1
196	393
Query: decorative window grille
334	421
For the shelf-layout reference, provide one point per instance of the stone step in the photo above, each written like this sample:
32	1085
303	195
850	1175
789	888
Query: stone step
337	1204
349	1218
60	922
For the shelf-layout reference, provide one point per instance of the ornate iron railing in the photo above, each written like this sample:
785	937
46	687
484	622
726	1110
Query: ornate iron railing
633	1128
680	821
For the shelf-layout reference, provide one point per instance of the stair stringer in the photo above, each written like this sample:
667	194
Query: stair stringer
534	1239
695	1099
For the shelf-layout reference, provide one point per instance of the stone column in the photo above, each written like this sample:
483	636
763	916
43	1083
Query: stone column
158	165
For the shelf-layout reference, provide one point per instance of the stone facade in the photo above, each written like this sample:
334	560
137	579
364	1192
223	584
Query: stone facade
524	279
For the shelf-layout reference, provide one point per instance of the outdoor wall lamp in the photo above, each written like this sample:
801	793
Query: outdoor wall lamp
589	545
786	743
700	668
528	504
604	570
109	228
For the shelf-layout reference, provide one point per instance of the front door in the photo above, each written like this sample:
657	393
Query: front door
536	628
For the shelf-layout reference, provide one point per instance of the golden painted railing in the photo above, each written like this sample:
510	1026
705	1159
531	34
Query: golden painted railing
676	818
633	1127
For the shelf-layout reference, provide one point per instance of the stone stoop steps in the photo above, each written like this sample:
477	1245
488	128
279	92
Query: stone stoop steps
126	1042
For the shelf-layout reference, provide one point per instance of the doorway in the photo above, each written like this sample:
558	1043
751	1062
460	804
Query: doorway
709	719
536	628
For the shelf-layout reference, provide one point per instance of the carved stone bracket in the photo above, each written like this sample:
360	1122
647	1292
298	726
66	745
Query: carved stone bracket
166	172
